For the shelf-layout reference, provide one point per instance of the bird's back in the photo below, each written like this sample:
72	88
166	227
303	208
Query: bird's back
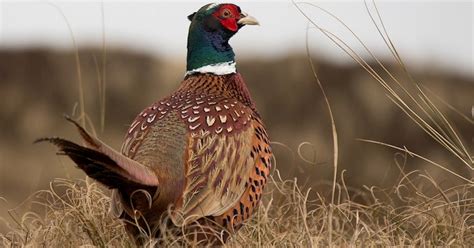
200	142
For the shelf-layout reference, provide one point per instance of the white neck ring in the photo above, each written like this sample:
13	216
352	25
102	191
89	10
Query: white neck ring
217	69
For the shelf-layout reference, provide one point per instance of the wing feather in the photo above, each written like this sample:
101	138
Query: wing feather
215	175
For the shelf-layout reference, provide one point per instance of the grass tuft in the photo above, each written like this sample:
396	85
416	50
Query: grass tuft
75	213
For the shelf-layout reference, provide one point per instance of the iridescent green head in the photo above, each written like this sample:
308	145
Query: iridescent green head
208	40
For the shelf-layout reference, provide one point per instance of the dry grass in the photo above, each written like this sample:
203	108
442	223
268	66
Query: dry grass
417	211
76	216
289	216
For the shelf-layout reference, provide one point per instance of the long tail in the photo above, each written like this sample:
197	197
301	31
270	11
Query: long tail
103	163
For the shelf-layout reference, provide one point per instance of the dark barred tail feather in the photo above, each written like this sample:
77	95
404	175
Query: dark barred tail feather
95	164
103	163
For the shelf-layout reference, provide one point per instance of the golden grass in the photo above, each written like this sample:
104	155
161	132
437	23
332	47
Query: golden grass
404	215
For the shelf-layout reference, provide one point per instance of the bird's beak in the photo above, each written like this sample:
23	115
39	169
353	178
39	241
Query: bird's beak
245	19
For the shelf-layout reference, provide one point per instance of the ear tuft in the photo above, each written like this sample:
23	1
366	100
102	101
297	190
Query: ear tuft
191	16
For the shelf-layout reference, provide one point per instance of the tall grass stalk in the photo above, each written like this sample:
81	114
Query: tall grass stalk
408	96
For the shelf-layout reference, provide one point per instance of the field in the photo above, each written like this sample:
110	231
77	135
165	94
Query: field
388	164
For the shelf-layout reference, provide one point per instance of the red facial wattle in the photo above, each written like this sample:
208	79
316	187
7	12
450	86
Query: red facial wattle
229	22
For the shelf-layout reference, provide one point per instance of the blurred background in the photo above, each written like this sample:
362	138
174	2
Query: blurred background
145	60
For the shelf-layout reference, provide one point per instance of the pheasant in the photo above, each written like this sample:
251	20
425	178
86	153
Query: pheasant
201	152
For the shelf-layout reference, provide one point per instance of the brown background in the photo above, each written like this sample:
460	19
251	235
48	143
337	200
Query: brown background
38	86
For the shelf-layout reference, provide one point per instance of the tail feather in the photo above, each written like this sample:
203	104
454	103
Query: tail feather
95	164
103	163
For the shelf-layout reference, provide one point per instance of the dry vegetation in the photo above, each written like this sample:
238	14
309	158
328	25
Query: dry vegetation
288	216
416	211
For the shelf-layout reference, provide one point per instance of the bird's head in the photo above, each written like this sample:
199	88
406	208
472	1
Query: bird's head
211	28
224	17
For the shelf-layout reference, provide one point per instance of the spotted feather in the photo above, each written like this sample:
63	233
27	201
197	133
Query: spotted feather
227	156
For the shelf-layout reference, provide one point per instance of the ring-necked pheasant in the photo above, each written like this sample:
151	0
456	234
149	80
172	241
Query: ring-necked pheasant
202	151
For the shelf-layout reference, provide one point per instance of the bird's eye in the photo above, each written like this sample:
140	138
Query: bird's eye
226	13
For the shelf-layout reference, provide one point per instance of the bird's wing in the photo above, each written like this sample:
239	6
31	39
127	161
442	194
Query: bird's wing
218	159
200	148
158	139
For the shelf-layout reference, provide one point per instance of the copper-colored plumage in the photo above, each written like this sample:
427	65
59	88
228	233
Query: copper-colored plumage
227	157
206	147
